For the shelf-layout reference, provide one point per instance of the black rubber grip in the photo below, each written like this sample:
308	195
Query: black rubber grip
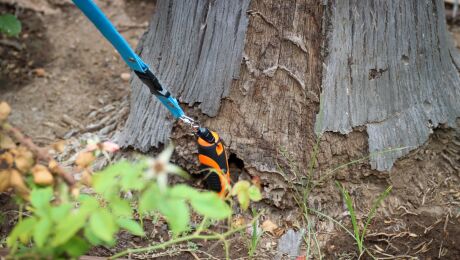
149	79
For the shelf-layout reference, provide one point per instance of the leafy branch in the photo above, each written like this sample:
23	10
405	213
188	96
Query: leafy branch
196	235
62	223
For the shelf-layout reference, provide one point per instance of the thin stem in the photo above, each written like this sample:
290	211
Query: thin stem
201	226
141	218
316	183
309	237
227	248
21	209
180	240
317	246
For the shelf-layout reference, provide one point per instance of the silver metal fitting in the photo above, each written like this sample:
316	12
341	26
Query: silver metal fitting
190	122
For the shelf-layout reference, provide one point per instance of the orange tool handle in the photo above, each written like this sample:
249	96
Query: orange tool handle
212	155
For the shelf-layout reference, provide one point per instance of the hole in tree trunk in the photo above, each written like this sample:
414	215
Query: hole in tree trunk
236	166
237	162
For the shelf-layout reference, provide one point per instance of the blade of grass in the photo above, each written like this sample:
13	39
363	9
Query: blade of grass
333	220
340	225
315	239
357	161
255	237
374	208
354	221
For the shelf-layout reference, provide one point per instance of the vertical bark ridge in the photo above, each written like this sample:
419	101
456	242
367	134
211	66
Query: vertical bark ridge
390	67
195	48
268	118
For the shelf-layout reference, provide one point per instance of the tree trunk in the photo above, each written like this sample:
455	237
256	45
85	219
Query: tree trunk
392	69
385	69
195	49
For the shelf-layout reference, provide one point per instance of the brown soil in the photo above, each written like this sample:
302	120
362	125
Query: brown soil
82	75
422	236
8	215
21	57
82	70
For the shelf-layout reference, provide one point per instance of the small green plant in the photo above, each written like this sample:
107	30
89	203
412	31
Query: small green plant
245	192
60	225
256	235
10	25
302	186
304	183
359	234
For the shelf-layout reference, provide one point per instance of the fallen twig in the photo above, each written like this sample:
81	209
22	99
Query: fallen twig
12	44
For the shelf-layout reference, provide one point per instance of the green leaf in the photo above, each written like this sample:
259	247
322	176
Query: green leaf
132	181
68	227
91	237
349	204
150	199
76	247
40	198
121	207
59	212
176	213
22	230
241	186
103	225
241	190
10	25
209	204
254	193
373	210
132	226
132	176
88	205
243	199
182	191
42	231
105	184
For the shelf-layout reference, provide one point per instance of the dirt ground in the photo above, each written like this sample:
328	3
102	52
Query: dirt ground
63	80
63	69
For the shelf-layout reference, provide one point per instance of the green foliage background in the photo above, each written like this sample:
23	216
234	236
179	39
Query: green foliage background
10	25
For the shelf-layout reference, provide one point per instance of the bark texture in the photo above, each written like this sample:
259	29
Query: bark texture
390	67
195	48
268	118
389	73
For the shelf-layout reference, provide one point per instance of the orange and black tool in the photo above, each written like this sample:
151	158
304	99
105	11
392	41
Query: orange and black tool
212	155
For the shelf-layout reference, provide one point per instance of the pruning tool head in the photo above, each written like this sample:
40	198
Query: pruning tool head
211	151
213	161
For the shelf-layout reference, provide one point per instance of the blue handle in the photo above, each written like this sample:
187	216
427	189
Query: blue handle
103	24
172	105
92	11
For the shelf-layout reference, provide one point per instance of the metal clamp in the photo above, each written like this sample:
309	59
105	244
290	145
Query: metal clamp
190	122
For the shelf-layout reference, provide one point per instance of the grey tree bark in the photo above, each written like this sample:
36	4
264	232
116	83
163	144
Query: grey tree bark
195	49
255	70
392	69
